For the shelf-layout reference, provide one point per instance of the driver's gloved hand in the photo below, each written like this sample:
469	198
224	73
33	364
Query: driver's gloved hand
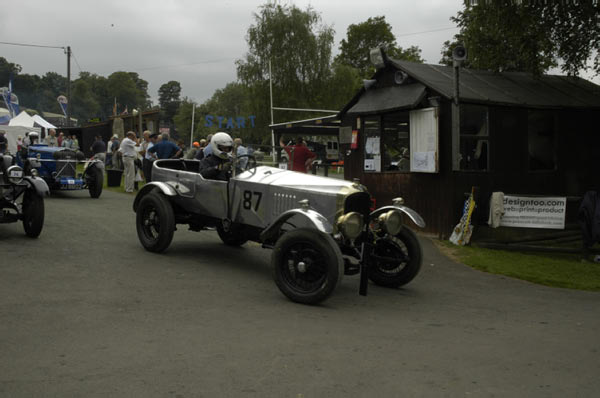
226	166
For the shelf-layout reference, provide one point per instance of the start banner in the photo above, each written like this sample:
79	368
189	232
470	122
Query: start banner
534	212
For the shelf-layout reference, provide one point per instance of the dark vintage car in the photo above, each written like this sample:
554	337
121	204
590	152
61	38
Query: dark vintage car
58	167
319	228
21	196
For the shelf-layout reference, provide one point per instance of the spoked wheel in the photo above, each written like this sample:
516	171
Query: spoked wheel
307	265
155	222
95	181
396	260
33	213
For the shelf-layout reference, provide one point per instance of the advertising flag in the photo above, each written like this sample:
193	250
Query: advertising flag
63	102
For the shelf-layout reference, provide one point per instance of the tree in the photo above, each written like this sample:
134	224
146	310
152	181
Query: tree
528	36
299	49
6	68
168	100
129	90
362	37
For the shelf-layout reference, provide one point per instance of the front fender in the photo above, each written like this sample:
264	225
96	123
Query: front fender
151	186
316	219
413	215
38	184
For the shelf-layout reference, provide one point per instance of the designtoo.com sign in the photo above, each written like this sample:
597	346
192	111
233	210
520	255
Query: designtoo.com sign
534	212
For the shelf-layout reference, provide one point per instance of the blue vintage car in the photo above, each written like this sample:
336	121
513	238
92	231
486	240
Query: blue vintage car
58	167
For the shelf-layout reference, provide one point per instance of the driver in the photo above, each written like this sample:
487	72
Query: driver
216	166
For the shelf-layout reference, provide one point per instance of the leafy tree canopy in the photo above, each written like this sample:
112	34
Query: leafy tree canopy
362	37
528	36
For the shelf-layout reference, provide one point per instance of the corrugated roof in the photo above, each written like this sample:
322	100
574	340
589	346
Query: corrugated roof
389	98
507	88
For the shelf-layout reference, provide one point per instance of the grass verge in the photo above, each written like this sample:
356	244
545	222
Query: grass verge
556	270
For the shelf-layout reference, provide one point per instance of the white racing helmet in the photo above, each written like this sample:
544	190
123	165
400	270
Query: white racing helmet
222	145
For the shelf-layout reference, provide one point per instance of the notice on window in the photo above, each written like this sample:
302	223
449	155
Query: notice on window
373	164
423	161
534	212
372	146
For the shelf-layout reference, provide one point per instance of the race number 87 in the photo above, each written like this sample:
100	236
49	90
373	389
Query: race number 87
247	203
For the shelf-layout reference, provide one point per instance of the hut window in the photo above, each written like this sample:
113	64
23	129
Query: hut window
372	133
541	138
474	137
395	142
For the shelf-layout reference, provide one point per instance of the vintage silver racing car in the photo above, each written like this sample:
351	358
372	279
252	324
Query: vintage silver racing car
319	228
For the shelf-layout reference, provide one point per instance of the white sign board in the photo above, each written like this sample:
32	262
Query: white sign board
534	212
424	140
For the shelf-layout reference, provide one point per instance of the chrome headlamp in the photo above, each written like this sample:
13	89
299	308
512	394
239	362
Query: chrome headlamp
15	174
351	224
391	222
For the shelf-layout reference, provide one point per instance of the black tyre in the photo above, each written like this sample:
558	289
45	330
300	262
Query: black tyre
396	260
234	236
33	213
155	222
307	265
95	181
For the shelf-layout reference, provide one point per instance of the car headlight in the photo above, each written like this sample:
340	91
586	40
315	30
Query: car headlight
15	174
391	221
351	224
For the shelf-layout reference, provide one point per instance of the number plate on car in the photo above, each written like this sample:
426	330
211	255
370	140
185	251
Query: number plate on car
16	173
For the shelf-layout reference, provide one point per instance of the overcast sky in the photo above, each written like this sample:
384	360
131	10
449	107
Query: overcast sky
195	42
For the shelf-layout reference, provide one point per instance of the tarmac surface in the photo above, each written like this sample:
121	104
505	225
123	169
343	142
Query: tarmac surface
85	311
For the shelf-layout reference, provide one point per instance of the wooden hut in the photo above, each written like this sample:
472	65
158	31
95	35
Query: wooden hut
514	133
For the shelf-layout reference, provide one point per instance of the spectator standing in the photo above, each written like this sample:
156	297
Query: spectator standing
98	149
67	142
127	150
206	149
74	143
300	156
191	154
149	158
240	150
19	143
51	139
181	145
60	139
114	151
165	149
3	142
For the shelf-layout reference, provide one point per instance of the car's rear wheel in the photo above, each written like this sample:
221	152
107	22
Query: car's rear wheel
95	181
395	261
33	213
155	222
307	265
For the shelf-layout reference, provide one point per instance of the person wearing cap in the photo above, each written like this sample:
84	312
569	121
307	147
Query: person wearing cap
149	157
191	154
300	156
127	150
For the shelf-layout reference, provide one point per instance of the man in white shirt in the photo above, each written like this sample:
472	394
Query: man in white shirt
127	150
51	139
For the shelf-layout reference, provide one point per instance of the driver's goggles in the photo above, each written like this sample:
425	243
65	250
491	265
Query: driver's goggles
225	148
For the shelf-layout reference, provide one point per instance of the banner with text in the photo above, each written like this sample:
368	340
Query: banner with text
534	212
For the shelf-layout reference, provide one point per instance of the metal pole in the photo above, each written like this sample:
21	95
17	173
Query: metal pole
456	120
275	157
69	103
192	129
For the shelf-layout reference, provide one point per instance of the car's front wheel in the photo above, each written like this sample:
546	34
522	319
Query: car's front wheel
307	265
396	260
33	213
155	222
95	181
